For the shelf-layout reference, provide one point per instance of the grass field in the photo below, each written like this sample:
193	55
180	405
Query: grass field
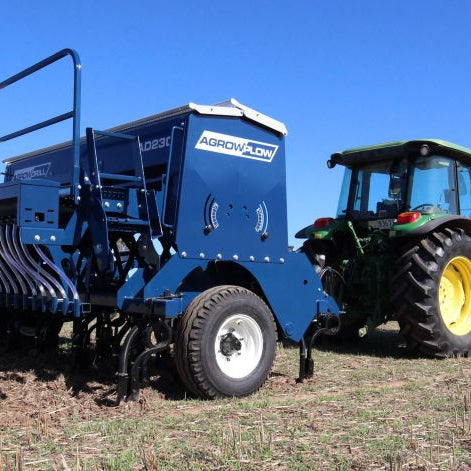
369	406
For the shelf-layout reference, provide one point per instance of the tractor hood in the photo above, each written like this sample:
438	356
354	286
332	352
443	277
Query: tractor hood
399	149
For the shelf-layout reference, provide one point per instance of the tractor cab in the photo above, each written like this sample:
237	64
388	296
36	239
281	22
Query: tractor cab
399	247
401	185
419	177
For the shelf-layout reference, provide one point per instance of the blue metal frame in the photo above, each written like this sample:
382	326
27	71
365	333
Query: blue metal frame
74	114
249	236
184	211
172	206
173	149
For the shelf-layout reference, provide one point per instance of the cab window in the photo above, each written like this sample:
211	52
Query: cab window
433	185
464	190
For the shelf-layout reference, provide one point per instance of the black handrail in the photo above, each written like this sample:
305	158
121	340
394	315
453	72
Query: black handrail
74	114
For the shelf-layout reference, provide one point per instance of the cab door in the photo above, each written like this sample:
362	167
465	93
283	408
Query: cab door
464	189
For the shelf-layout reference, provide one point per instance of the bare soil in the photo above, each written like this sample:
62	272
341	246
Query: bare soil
370	405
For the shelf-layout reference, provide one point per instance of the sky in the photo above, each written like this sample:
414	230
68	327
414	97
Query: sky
339	74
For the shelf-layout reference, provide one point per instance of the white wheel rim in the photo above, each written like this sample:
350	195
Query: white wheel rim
238	346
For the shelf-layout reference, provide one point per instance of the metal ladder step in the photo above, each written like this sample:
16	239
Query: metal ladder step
119	177
128	222
103	181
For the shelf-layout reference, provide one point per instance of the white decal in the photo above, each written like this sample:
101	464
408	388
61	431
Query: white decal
262	218
214	215
237	146
157	143
38	171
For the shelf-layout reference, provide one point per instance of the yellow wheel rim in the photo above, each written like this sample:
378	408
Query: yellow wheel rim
454	295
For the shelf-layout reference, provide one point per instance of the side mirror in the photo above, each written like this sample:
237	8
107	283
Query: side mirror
395	186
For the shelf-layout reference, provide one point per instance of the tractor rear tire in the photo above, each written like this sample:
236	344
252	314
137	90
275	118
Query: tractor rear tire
225	344
431	293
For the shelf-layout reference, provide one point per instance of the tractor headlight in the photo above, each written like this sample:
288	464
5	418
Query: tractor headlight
330	163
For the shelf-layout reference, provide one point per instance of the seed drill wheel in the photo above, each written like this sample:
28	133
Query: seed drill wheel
431	293
225	344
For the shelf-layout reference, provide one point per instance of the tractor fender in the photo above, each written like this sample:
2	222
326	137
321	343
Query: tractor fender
291	287
452	221
304	232
294	292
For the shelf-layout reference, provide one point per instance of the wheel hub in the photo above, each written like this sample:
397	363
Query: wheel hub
454	296
238	346
230	344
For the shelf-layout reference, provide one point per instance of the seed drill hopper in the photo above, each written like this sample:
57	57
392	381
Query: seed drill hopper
166	236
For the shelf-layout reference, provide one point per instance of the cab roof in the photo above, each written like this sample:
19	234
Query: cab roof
398	149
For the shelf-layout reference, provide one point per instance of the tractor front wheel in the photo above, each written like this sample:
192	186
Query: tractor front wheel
431	293
225	345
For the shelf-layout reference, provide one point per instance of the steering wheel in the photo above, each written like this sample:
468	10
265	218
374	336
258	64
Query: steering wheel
429	207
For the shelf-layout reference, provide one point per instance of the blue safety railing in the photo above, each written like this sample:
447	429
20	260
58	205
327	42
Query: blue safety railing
74	114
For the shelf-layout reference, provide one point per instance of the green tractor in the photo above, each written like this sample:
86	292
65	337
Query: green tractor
399	247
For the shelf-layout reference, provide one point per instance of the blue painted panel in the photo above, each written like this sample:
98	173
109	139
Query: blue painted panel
294	292
171	276
232	200
227	191
38	206
131	288
114	154
37	203
293	289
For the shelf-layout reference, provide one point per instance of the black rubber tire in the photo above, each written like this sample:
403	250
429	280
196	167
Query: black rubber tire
414	291
194	345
